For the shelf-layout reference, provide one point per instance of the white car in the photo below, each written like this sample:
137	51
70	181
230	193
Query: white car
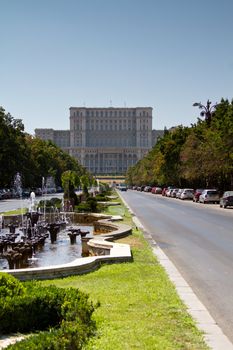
122	187
209	196
178	194
187	193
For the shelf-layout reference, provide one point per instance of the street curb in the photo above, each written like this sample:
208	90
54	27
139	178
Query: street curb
213	335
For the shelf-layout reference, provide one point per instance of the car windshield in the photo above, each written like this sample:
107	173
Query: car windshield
212	192
228	194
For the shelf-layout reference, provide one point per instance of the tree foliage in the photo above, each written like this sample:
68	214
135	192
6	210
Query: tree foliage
32	157
200	155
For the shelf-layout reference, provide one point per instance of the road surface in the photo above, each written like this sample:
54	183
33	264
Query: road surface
198	239
14	204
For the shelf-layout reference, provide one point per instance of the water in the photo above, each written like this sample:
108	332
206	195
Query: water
60	252
18	185
1	221
19	190
32	202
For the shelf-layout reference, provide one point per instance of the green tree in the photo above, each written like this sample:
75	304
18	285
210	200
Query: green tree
14	153
70	181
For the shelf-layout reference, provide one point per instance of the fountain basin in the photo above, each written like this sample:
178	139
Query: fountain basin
98	245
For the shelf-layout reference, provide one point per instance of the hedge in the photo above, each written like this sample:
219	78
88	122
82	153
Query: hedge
63	317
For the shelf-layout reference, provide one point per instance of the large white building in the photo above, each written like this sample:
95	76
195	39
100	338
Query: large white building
105	140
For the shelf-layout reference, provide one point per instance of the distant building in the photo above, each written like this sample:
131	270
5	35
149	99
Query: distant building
60	137
155	135
105	140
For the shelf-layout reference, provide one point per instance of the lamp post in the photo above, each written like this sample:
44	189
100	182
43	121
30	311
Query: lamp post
207	110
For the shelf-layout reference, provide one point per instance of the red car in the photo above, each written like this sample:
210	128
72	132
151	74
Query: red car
197	194
156	190
164	191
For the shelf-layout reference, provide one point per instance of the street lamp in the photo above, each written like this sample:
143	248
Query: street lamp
207	110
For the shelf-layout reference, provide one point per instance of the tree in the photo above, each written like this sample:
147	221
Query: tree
85	183
70	181
14	152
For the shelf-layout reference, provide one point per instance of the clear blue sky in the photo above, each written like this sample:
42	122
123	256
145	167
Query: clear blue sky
165	54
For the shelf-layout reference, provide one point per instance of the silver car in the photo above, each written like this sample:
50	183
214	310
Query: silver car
178	194
187	193
209	196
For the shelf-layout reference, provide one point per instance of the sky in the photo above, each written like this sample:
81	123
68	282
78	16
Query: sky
166	54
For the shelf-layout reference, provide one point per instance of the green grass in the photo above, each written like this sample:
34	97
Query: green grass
15	212
139	307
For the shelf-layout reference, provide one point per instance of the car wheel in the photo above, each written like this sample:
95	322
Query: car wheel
220	205
225	206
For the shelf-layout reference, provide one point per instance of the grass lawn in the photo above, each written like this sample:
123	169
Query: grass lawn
15	212
139	307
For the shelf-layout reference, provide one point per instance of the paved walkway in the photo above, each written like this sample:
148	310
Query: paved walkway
5	341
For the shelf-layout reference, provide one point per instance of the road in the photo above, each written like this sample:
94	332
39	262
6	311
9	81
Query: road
14	204
198	239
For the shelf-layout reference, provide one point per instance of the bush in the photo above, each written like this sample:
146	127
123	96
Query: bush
51	203
37	310
92	202
64	315
101	197
55	202
71	336
10	286
83	208
90	206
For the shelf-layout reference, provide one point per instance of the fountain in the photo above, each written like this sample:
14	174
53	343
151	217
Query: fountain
73	232
19	191
26	245
32	202
1	222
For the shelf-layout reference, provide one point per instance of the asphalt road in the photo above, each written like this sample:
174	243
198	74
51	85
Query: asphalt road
198	239
14	204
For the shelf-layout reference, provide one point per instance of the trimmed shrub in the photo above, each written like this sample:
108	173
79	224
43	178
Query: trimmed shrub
90	206
64	315
50	203
92	202
10	286
37	310
83	208
101	197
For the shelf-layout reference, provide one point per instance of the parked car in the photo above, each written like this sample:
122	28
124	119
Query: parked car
197	194
178	193
156	190
38	191
174	192
6	193
59	189
26	193
227	199
187	193
169	191
122	187
209	196
164	191
147	189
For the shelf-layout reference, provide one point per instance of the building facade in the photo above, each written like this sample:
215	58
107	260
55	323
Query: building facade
156	134
105	140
